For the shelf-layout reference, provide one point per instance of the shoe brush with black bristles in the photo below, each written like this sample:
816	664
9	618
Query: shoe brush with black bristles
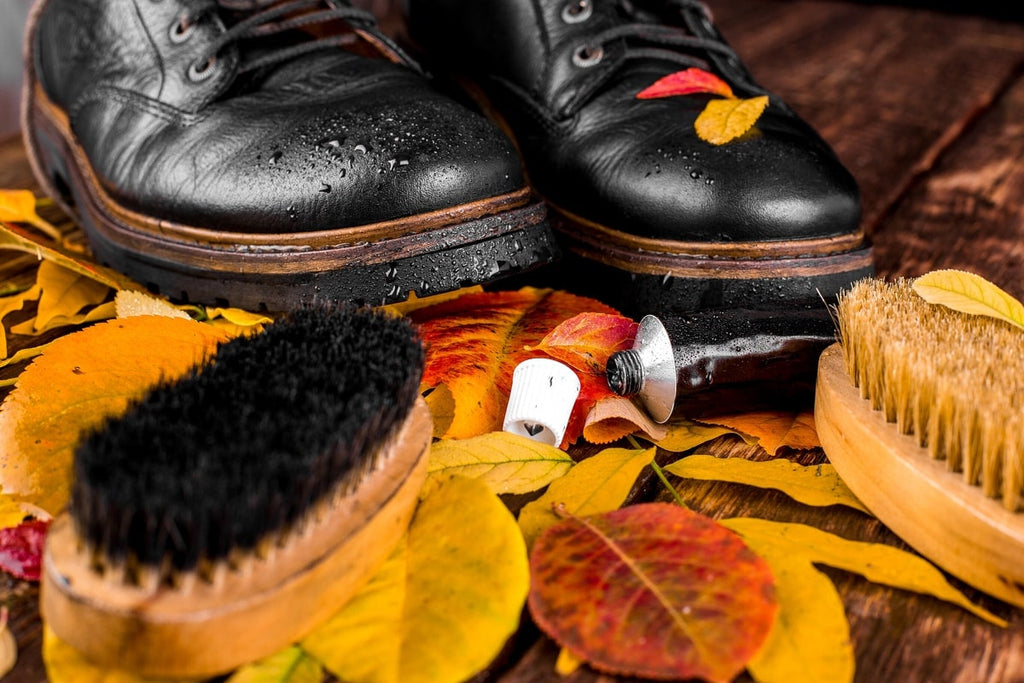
921	411
228	513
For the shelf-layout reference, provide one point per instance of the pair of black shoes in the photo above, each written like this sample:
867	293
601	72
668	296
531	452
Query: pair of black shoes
269	153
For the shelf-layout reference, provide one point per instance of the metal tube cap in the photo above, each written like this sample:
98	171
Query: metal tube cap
543	394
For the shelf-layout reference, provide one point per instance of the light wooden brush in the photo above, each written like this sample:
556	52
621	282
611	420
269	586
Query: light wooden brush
921	410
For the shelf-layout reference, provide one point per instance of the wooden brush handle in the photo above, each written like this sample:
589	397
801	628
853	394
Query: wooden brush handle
948	521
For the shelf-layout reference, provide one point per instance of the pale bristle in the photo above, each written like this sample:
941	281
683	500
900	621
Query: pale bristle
955	381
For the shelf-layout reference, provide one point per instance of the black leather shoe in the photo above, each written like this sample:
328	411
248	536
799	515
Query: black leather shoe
656	219
268	154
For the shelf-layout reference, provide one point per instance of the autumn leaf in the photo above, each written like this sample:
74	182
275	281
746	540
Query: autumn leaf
416	302
687	82
685	435
65	664
13	238
64	294
774	429
288	666
817	485
663	593
12	303
810	639
442	408
78	381
596	485
475	341
567	663
876	562
8	645
11	512
585	341
725	120
443	606
19	206
616	417
238	317
21	549
969	293
507	463
130	304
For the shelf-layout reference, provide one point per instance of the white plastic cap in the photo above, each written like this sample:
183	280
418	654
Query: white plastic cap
541	400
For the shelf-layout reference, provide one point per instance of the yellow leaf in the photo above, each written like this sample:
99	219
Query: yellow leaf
8	646
77	382
65	293
598	484
64	664
130	303
727	119
616	417
969	293
567	663
13	238
876	562
415	302
441	402
12	303
817	485
239	317
11	512
507	463
810	639
445	603
684	435
288	666
774	429
19	206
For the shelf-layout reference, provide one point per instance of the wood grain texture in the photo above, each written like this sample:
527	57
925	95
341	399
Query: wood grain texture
927	111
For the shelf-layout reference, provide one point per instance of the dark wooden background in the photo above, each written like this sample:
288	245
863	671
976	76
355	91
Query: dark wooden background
926	108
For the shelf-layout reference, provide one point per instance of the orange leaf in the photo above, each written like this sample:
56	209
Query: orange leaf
75	384
692	80
663	593
774	430
612	418
725	120
474	342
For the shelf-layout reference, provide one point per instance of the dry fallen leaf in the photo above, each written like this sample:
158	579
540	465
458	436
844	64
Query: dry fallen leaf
130	303
663	592
686	82
64	294
616	417
288	666
77	382
774	429
817	485
12	303
725	120
474	343
685	435
442	607
969	293
19	206
442	408
598	484
507	463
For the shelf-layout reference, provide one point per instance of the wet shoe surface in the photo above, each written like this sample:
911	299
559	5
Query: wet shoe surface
656	219
269	153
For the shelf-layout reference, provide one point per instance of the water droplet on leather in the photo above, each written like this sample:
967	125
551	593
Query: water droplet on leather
341	173
403	162
325	188
695	174
292	213
276	157
391	164
361	149
395	291
424	286
391	274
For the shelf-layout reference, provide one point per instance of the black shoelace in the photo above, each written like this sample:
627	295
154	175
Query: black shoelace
268	19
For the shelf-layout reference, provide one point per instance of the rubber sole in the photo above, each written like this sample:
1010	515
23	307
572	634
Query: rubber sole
382	263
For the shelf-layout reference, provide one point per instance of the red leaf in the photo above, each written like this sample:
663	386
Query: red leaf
686	82
21	549
652	590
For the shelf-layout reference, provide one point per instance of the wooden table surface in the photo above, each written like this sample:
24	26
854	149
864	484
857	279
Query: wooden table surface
927	110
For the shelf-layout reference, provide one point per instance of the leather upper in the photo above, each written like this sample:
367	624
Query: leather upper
592	149
326	139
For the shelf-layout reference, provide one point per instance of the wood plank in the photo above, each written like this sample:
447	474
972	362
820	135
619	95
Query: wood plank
888	87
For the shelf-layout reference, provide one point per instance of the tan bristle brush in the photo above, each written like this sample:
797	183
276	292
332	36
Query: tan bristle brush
919	408
228	513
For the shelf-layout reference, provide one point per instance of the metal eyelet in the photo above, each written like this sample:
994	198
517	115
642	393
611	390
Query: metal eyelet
181	31
197	73
586	56
577	11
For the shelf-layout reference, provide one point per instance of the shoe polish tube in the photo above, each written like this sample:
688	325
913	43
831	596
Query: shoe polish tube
683	357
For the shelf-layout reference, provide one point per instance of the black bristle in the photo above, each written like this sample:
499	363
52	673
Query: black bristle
248	443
